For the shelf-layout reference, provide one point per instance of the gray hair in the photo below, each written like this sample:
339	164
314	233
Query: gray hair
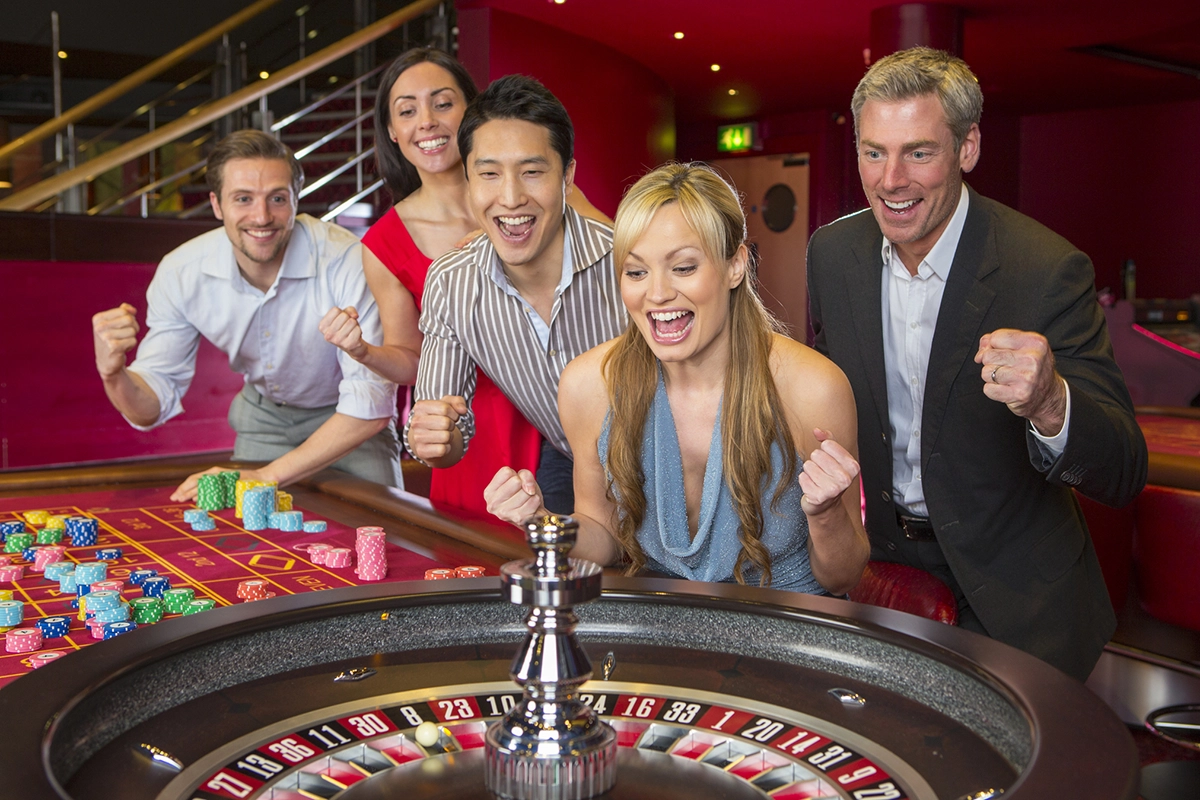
920	71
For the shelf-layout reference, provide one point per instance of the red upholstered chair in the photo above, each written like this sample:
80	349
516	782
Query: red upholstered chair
1112	536
1167	554
905	588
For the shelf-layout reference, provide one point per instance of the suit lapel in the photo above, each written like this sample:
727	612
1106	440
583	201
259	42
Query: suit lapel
965	302
863	285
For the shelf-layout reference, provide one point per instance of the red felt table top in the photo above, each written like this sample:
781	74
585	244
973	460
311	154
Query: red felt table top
150	531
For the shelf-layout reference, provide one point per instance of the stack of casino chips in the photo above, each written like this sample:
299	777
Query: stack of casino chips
314	526
89	572
146	610
199	519
316	552
198	605
12	573
251	590
239	495
139	575
114	629
340	558
258	502
443	574
283	501
371	550
55	571
217	491
153	587
54	627
175	600
39	660
210	492
84	531
45	556
11	526
22	640
50	536
18	542
12	613
36	518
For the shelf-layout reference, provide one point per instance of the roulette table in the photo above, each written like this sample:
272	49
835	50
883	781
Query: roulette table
713	690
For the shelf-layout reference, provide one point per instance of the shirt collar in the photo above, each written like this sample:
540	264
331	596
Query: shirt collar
941	256
297	260
495	270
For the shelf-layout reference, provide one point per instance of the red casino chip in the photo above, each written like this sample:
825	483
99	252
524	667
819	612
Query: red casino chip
470	572
439	574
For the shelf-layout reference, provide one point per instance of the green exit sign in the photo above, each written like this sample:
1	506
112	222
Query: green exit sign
737	138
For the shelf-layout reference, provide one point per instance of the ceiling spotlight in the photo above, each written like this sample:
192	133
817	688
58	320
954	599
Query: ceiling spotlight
716	67
333	78
264	74
559	2
312	34
678	34
62	53
732	92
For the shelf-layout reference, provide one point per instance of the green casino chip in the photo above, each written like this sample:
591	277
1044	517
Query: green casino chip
196	606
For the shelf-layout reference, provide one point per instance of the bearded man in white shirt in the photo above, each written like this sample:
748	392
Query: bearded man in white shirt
263	289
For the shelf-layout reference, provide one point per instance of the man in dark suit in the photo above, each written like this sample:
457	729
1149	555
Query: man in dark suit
982	371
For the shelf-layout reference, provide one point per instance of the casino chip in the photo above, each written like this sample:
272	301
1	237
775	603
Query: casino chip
22	640
38	660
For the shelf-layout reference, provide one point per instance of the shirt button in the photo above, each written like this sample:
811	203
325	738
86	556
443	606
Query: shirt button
912	325
527	311
266	334
916	434
553	353
275	387
914	380
270	366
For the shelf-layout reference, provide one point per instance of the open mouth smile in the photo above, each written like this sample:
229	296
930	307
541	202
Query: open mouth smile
672	326
899	206
429	145
515	228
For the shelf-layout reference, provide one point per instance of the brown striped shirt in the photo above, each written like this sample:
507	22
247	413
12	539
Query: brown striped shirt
469	321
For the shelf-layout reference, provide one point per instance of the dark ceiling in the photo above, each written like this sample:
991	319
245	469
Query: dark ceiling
780	55
784	55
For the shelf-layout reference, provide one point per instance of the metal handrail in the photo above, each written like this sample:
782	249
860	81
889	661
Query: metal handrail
199	166
120	202
333	173
314	105
333	134
133	80
333	212
26	199
174	90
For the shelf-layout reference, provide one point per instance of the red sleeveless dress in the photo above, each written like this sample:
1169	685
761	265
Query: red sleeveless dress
503	437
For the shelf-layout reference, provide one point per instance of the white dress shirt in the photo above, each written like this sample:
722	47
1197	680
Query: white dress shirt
270	337
910	312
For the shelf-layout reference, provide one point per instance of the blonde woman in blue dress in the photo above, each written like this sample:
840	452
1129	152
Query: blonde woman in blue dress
689	463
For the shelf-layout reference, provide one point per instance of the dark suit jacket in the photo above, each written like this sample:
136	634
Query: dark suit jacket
1006	519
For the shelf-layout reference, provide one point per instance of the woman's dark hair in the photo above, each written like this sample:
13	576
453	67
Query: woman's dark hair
398	174
524	98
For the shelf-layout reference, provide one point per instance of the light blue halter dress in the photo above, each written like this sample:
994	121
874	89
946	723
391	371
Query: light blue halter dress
711	555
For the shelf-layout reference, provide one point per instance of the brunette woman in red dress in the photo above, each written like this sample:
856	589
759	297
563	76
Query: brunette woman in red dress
421	99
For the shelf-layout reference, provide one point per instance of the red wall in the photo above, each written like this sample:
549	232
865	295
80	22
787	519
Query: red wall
1120	183
53	409
623	113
